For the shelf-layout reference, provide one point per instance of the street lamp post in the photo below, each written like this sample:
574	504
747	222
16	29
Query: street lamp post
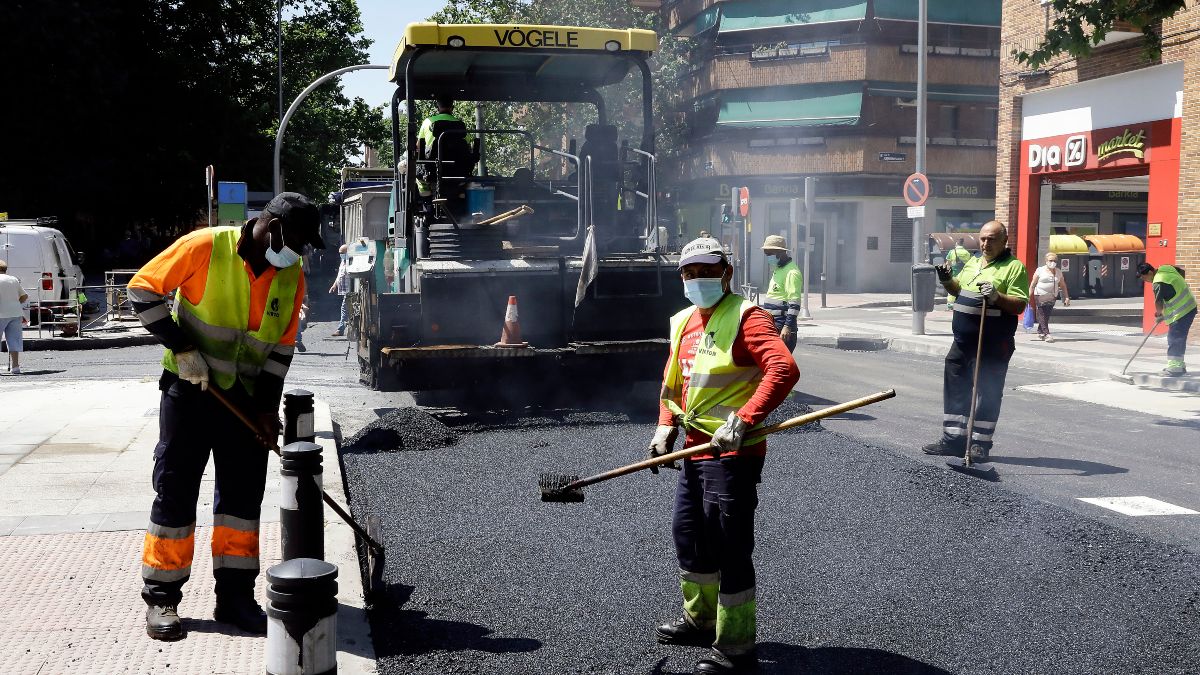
296	104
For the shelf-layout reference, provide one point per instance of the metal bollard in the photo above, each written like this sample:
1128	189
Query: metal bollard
302	618
301	515
298	421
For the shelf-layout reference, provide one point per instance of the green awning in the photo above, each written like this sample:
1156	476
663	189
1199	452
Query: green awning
960	93
760	14
806	105
700	23
961	12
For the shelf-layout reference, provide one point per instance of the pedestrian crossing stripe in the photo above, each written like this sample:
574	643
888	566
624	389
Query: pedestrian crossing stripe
1138	506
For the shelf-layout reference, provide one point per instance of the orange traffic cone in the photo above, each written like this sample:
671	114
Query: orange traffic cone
510	335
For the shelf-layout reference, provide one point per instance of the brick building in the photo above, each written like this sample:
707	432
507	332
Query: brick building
778	91
1107	142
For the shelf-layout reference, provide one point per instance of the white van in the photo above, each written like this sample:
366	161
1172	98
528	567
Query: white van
42	259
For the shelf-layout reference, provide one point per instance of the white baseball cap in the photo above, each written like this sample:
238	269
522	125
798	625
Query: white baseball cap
705	250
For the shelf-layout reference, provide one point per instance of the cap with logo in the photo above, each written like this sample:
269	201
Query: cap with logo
704	251
775	243
300	215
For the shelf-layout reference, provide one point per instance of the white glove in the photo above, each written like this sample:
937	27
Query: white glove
193	368
662	444
989	292
728	437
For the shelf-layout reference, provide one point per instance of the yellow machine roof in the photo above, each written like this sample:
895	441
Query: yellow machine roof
497	61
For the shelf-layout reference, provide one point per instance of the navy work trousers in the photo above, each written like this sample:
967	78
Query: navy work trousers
1177	335
956	391
192	422
714	519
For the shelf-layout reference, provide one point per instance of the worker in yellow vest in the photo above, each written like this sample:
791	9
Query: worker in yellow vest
447	130
785	290
1175	305
727	371
234	327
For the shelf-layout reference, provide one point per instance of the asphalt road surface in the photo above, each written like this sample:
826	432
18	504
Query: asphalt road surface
870	557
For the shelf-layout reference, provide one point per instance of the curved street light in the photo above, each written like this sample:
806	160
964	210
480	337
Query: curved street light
296	104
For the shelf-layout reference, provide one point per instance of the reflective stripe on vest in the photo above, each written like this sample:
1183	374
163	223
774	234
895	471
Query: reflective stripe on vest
1183	301
718	386
218	325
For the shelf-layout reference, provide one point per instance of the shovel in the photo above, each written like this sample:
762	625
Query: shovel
369	535
563	488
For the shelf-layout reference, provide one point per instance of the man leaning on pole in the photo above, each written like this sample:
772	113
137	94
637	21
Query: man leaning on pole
234	327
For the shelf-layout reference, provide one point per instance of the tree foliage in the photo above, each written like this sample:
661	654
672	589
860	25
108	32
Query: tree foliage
113	109
1079	25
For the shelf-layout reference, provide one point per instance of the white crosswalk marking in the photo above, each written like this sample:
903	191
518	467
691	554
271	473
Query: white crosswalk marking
1138	506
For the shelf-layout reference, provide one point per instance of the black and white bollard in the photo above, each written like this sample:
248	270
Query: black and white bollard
301	515
298	421
302	618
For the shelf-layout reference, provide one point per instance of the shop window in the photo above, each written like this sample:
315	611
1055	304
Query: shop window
901	235
1079	223
962	220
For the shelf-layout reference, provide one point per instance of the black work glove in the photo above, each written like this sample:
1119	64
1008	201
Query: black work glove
944	273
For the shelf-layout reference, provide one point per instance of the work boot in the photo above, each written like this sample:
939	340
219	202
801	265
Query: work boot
241	611
162	623
682	632
717	663
979	454
1165	373
941	447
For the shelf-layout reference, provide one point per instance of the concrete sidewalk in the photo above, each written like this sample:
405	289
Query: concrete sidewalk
75	493
1082	350
105	335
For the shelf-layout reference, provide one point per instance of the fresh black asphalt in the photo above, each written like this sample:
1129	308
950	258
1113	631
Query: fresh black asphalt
868	562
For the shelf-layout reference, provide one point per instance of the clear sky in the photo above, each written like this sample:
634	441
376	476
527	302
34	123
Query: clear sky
384	22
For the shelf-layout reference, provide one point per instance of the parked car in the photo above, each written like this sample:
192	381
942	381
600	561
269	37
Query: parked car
42	258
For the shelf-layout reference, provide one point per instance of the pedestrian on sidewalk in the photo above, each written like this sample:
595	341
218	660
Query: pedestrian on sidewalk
341	286
727	371
237	312
1044	289
1176	306
784	293
998	279
12	316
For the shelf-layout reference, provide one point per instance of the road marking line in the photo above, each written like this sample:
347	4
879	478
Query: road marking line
1138	506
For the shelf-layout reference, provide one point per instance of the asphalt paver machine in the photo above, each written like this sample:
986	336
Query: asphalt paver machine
576	199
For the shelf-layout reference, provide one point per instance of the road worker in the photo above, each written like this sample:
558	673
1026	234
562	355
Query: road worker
444	130
957	257
727	371
234	328
1175	305
998	279
784	293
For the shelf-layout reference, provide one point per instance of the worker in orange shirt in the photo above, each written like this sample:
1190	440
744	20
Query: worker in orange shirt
234	327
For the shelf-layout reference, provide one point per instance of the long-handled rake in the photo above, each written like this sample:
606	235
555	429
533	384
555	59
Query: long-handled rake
566	488
369	535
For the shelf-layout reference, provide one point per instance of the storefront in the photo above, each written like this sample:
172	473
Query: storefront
861	230
1114	128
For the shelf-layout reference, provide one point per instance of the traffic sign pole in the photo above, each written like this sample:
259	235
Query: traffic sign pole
918	320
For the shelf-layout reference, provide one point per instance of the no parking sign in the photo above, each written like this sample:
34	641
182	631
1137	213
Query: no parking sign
1125	262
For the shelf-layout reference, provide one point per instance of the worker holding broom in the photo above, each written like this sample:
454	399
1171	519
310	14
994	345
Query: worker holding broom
234	327
991	292
727	371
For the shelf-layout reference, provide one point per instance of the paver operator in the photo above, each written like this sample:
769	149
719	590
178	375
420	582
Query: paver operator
1175	305
237	312
786	289
727	371
426	141
998	278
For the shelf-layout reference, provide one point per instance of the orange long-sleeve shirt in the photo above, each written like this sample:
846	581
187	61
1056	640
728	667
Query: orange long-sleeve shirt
184	266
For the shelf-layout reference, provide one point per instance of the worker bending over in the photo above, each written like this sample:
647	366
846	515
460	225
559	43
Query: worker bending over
1175	305
787	286
234	327
998	279
727	371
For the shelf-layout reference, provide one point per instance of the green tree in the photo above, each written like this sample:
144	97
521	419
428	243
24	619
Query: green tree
1079	25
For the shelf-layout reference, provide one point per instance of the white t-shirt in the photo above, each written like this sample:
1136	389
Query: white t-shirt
1047	283
10	296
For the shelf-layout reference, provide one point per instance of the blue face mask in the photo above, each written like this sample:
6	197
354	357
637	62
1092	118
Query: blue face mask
704	292
773	260
285	258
